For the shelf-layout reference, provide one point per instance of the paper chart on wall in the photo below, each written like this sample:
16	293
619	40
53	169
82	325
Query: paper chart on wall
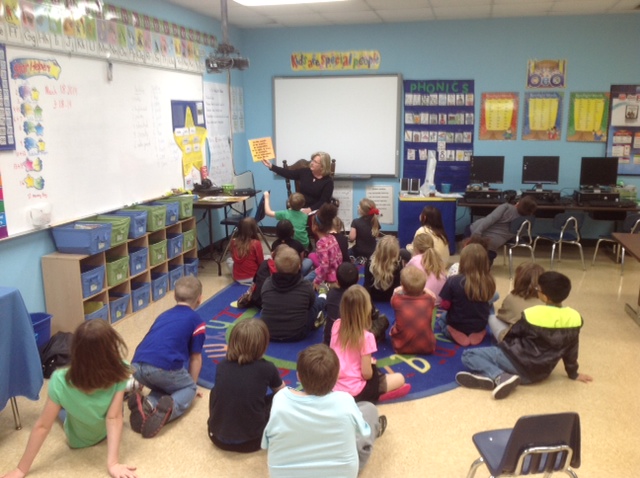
216	107
343	192
383	197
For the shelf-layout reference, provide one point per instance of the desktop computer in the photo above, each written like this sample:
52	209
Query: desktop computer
588	196
481	195
544	196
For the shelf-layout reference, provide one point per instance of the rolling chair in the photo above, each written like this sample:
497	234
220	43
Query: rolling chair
631	225
537	444
521	229
567	225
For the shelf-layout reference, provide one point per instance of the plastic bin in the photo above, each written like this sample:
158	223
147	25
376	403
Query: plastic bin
82	238
174	245
138	224
159	285
119	226
41	328
140	295
96	310
173	211
176	271
117	270
191	266
158	252
118	304
156	215
186	204
92	278
138	260
188	240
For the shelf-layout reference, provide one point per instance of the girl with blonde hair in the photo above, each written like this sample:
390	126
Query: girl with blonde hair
427	259
354	345
382	271
365	229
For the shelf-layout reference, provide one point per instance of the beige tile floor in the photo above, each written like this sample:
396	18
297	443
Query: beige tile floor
427	437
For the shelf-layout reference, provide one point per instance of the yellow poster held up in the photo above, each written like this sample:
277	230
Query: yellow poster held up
261	148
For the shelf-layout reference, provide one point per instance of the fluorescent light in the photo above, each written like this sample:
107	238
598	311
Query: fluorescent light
263	3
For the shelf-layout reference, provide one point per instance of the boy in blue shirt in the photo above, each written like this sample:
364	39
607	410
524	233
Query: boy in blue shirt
317	432
168	361
533	347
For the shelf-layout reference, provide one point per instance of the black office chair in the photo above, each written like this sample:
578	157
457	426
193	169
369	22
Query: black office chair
567	225
521	229
631	225
536	444
234	221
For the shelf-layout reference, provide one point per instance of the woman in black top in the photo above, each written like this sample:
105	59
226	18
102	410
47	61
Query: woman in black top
316	184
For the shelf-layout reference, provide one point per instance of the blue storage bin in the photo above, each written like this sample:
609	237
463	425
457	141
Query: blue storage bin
176	271
86	238
118	304
159	285
173	211
140	295
138	225
191	266
41	328
137	260
96	310
174	244
92	279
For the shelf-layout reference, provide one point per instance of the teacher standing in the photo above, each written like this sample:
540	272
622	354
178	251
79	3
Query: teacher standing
315	182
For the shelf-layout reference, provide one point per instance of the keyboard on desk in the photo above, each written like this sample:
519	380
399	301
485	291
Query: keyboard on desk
619	204
484	200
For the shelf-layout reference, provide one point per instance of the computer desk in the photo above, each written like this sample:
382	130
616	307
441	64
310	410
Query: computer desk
631	244
209	203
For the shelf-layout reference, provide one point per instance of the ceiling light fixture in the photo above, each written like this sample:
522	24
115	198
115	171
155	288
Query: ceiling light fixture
264	3
226	57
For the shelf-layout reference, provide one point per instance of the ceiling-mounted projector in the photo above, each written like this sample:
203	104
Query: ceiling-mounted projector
221	60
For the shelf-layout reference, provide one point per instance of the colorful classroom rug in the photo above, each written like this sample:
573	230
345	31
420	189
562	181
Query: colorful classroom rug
427	374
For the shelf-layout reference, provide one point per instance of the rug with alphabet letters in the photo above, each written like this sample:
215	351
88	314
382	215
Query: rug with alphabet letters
427	374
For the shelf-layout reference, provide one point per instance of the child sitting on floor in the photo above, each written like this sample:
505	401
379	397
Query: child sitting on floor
239	405
466	298
428	260
365	229
246	252
382	271
319	432
354	345
285	235
413	304
297	218
347	276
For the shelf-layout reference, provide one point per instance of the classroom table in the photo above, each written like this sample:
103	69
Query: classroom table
20	367
631	244
208	204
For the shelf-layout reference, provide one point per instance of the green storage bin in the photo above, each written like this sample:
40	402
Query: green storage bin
186	204
119	227
117	270
96	310
188	240
156	216
158	252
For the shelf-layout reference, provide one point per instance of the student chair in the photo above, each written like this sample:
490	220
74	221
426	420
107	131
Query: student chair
537	444
631	225
521	229
567	226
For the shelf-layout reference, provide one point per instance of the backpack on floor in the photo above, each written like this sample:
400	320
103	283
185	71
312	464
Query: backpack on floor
57	353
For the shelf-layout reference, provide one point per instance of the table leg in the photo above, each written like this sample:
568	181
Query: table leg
16	413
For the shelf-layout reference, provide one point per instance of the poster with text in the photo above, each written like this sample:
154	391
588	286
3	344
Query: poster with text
588	117
542	118
499	116
623	139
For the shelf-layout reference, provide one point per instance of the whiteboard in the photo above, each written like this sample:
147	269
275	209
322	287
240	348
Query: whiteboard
100	144
356	119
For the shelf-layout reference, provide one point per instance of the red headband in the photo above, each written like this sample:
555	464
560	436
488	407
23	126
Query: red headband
374	211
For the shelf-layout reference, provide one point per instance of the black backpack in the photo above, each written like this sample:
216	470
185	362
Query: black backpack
57	353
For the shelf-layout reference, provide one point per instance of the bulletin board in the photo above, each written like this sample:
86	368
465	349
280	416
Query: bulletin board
88	141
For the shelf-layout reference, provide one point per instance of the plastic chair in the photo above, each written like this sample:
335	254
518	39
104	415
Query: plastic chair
235	221
631	225
536	444
568	225
521	229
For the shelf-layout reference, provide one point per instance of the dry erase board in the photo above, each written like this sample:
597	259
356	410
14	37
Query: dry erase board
356	119
88	141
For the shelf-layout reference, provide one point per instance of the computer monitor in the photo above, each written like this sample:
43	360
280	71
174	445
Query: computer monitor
486	169
597	172
540	170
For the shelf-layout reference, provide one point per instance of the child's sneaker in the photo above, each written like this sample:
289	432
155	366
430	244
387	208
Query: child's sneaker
505	384
140	410
320	320
323	290
469	380
382	421
397	393
154	422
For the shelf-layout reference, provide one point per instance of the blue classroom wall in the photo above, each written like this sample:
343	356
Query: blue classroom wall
494	53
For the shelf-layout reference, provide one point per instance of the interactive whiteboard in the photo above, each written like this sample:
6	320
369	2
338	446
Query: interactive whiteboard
356	119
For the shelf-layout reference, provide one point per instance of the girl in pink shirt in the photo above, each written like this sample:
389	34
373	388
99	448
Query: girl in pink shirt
354	345
427	259
327	256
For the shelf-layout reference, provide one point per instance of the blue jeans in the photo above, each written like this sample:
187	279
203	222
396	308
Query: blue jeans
177	383
307	265
490	362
